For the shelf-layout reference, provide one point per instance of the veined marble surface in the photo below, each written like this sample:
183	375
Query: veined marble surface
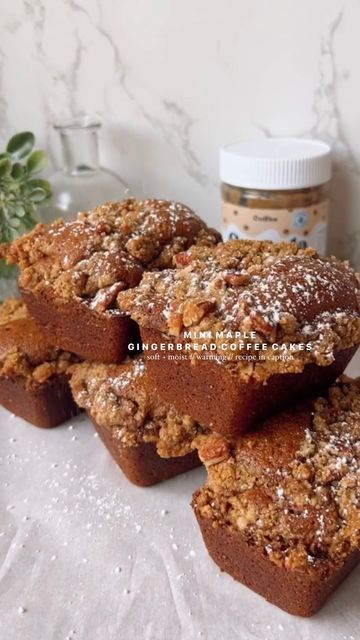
172	81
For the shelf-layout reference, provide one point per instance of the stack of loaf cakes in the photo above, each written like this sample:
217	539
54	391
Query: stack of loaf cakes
183	350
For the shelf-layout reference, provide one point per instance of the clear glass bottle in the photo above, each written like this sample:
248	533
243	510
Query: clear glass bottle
81	184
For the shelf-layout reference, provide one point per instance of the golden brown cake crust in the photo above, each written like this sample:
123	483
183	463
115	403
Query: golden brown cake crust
292	488
24	349
118	399
105	250
268	293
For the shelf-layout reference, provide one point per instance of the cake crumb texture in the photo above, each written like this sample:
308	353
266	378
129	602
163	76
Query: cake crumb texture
271	294
24	349
291	488
105	250
117	398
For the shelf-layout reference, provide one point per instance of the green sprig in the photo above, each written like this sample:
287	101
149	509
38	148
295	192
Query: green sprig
20	192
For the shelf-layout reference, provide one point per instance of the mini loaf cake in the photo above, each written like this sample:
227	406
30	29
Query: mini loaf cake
149	442
33	374
72	272
281	508
242	328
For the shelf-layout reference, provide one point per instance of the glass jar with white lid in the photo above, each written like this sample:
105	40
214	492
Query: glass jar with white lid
276	189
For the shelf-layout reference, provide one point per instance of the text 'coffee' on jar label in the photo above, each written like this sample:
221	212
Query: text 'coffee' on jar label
307	226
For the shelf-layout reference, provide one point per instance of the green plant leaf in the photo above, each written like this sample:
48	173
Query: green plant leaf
20	145
20	210
38	190
29	222
36	162
15	223
5	167
38	195
20	193
18	171
8	270
14	233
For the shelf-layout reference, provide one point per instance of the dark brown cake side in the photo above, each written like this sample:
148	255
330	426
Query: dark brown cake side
300	593
195	388
33	374
99	337
142	464
72	272
280	510
245	327
149	441
45	406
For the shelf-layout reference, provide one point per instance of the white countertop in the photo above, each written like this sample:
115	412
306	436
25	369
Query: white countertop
85	555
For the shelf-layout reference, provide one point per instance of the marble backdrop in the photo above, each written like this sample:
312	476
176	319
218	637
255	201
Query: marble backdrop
172	81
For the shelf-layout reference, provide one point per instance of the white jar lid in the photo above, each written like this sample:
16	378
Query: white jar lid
276	163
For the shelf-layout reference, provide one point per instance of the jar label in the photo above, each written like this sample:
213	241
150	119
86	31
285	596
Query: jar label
307	226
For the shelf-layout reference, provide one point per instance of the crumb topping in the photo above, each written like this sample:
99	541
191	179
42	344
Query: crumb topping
117	398
293	487
24	350
270	294
105	250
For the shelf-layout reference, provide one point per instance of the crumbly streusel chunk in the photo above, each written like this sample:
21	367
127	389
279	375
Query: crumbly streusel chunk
105	250
293	487
117	398
12	309
246	293
24	350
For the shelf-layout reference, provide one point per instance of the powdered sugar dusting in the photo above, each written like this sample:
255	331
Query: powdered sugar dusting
276	291
304	508
121	404
107	249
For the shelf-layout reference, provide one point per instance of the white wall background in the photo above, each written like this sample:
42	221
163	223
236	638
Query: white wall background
172	80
